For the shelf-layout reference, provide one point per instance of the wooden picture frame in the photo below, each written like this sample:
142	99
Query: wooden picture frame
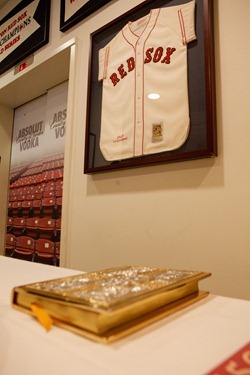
202	140
84	11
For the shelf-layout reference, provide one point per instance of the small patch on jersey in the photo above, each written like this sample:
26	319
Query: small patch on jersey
157	132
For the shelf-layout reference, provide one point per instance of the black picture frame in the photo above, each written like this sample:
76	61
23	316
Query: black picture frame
87	9
202	139
35	41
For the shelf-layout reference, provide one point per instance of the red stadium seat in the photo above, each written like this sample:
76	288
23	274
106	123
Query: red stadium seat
26	208
59	207
21	197
9	209
59	174
48	194
58	224
18	226
45	251
36	208
59	191
31	227
47	228
10	244
16	209
48	207
38	196
9	223
25	248
30	197
59	182
50	186
13	198
58	229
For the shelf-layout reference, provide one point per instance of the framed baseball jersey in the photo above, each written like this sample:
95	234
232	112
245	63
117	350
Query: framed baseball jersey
149	82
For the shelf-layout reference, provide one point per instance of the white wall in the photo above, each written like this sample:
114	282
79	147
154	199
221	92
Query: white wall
193	215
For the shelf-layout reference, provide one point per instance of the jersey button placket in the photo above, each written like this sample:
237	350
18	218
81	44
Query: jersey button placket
138	98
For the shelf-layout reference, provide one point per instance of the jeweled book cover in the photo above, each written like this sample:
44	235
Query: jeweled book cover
112	300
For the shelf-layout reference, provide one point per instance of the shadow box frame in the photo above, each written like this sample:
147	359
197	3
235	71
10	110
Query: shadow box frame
202	138
84	11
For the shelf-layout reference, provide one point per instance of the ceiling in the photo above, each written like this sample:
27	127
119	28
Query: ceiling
37	81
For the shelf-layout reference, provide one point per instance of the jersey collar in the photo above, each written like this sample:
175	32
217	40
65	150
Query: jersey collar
139	30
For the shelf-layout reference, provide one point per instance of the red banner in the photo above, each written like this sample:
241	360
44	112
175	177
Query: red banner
237	364
23	31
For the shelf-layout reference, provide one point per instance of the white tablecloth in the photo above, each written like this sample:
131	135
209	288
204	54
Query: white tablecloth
190	342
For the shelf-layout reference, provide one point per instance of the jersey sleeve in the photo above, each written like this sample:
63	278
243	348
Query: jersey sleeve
187	23
103	63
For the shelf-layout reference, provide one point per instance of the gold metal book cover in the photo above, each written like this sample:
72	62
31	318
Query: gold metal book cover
102	300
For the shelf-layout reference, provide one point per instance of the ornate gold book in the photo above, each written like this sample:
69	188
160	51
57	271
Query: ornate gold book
108	304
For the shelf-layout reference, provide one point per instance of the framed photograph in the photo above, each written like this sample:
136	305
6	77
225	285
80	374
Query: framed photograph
151	94
74	11
23	31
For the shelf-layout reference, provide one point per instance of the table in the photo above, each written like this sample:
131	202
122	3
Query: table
190	342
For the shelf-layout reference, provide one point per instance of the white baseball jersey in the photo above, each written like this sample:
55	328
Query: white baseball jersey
147	58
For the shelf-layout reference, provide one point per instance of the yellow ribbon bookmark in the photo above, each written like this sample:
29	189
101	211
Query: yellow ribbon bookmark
42	315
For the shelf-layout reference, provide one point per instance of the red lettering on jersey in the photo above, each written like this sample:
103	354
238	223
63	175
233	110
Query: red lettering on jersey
114	79
120	138
122	71
151	55
148	55
131	64
158	54
169	52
